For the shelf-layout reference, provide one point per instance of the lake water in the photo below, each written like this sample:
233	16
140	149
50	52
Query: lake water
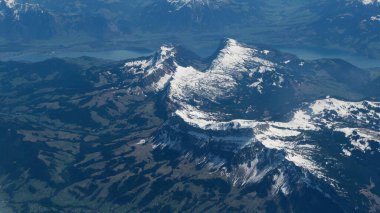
309	54
306	54
109	55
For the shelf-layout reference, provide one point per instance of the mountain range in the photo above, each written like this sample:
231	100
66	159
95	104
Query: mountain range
247	128
348	25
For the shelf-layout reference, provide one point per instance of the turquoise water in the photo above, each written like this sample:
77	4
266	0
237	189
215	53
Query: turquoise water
109	55
311	54
306	54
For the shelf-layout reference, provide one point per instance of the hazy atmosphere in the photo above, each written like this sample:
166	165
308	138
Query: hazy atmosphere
116	106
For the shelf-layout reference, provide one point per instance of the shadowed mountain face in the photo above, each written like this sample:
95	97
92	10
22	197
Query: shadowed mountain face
347	25
247	128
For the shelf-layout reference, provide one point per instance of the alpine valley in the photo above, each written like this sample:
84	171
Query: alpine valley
248	129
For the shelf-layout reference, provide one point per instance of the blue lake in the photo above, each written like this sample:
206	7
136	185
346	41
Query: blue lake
109	55
306	54
310	54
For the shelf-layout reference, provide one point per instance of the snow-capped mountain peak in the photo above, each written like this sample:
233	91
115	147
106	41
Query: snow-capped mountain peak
9	3
155	71
367	2
166	52
234	56
215	115
196	3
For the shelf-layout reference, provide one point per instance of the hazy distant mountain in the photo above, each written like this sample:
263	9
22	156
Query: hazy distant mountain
205	16
367	2
352	24
25	21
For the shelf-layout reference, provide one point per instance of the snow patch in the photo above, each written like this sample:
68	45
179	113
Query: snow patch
360	138
375	18
288	136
